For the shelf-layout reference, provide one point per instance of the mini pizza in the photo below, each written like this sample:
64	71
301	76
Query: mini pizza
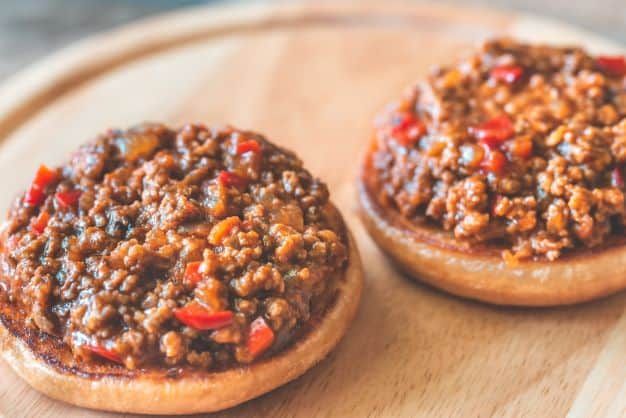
501	178
169	272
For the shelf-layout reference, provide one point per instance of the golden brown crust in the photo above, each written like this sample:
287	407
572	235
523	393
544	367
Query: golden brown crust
155	393
433	256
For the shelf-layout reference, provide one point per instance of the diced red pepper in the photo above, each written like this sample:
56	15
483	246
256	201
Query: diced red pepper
260	338
407	129
494	131
494	161
230	179
44	177
198	317
612	65
39	223
248	146
68	198
192	273
507	73
617	178
105	353
34	196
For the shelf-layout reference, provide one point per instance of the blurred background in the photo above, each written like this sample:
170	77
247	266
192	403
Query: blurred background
30	29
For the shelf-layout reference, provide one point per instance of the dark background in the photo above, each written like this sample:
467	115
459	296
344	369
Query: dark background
30	29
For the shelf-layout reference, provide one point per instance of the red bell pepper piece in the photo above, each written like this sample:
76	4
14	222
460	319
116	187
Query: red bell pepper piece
494	160
494	131
34	196
105	353
507	73
230	179
612	65
39	223
248	146
192	274
198	317
68	198
407	129
260	338
44	177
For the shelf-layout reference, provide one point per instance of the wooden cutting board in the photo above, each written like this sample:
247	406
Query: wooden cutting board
311	76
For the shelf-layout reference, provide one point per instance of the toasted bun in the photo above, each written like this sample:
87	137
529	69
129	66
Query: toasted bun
432	255
43	364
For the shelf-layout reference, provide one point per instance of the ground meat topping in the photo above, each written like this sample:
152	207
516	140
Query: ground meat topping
201	247
518	145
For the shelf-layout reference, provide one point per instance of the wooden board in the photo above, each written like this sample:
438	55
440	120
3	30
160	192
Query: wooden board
311	76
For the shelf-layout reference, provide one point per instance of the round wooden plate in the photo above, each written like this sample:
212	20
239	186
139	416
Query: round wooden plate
311	77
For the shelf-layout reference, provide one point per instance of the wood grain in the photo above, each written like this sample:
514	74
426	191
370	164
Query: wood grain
311	76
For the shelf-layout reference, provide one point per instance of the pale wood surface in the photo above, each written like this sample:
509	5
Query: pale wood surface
311	78
30	29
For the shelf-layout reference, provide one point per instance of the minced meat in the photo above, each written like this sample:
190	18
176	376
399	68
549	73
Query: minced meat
204	247
523	146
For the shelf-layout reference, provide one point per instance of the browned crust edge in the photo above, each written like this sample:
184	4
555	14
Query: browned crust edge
197	392
432	256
